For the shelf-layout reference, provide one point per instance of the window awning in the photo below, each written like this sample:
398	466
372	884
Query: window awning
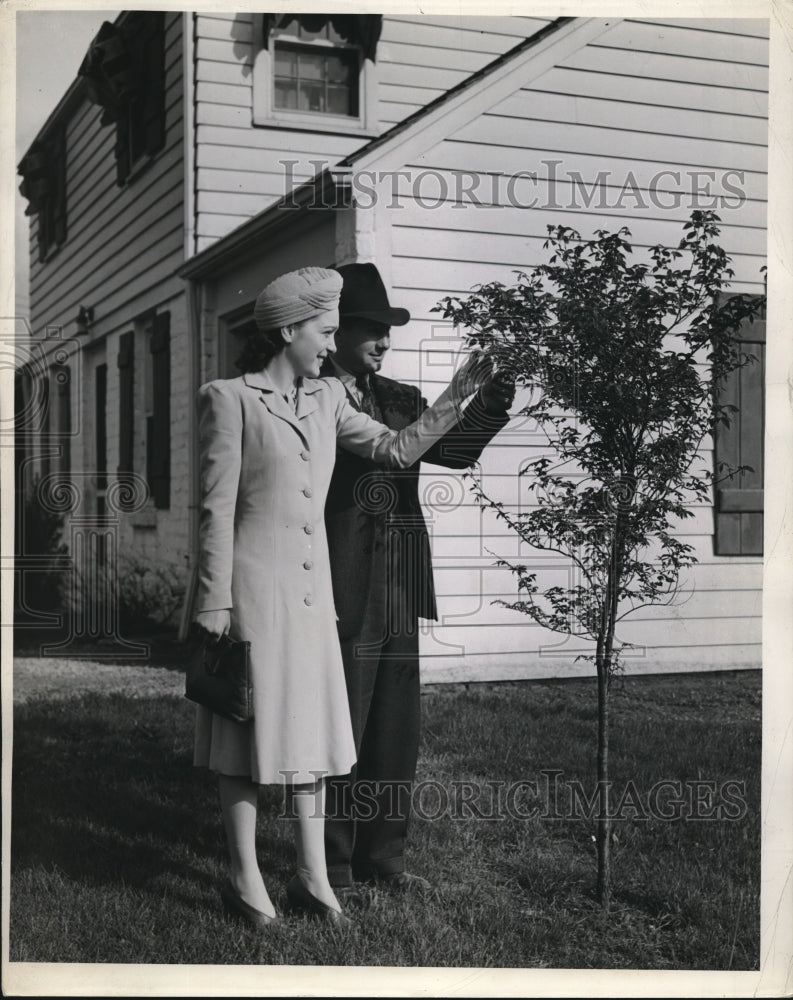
357	29
111	72
37	178
40	169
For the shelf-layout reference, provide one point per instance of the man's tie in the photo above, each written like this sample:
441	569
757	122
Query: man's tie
367	404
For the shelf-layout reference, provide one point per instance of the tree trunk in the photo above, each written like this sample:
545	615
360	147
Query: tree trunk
604	817
604	662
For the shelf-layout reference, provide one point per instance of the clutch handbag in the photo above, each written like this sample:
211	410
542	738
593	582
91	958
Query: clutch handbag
219	675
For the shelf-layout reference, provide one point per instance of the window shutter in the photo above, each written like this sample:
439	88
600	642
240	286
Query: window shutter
126	402
100	425
23	391
59	183
64	380
158	437
154	100
122	151
739	500
46	426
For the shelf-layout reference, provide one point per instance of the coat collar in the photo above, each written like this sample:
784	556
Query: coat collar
259	380
275	402
262	380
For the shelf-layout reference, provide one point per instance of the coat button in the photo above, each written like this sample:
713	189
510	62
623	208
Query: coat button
308	601
309	529
304	455
307	493
308	564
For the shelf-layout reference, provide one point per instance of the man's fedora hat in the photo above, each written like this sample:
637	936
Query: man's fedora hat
363	296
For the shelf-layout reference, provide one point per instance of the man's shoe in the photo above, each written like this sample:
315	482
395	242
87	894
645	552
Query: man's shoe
399	882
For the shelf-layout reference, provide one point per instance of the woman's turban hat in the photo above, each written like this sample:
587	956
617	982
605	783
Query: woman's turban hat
296	296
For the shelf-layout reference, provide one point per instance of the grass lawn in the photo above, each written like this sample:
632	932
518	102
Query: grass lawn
117	853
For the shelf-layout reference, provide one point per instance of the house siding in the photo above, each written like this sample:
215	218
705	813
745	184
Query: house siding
123	242
238	166
644	97
124	245
421	57
656	96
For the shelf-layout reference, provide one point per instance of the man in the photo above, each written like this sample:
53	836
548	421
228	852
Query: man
382	584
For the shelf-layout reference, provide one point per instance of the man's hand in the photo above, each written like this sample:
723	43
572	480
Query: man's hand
217	623
498	393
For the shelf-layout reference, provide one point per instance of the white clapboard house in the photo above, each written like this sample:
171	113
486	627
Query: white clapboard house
173	181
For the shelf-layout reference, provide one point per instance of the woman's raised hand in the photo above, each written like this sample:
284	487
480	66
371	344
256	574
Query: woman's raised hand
217	623
476	372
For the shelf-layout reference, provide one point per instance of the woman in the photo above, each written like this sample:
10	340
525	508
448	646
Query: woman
268	442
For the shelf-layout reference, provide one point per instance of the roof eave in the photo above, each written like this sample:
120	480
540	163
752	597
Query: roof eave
69	101
225	253
466	84
63	110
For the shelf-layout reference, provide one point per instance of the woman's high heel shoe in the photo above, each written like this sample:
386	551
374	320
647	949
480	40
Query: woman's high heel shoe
237	907
300	898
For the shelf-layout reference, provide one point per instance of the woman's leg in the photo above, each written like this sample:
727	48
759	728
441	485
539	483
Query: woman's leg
308	806
238	804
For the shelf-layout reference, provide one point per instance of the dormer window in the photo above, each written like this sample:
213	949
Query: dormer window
316	71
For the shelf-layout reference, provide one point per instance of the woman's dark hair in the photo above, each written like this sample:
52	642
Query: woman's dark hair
261	347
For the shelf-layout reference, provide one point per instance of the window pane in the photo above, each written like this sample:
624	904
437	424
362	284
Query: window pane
312	78
286	94
285	62
311	66
339	100
312	97
338	69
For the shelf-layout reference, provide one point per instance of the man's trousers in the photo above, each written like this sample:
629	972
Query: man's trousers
367	811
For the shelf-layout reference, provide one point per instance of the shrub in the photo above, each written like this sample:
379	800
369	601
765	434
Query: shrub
149	595
145	595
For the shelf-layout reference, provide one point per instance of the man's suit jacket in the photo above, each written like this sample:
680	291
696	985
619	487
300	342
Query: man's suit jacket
379	547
